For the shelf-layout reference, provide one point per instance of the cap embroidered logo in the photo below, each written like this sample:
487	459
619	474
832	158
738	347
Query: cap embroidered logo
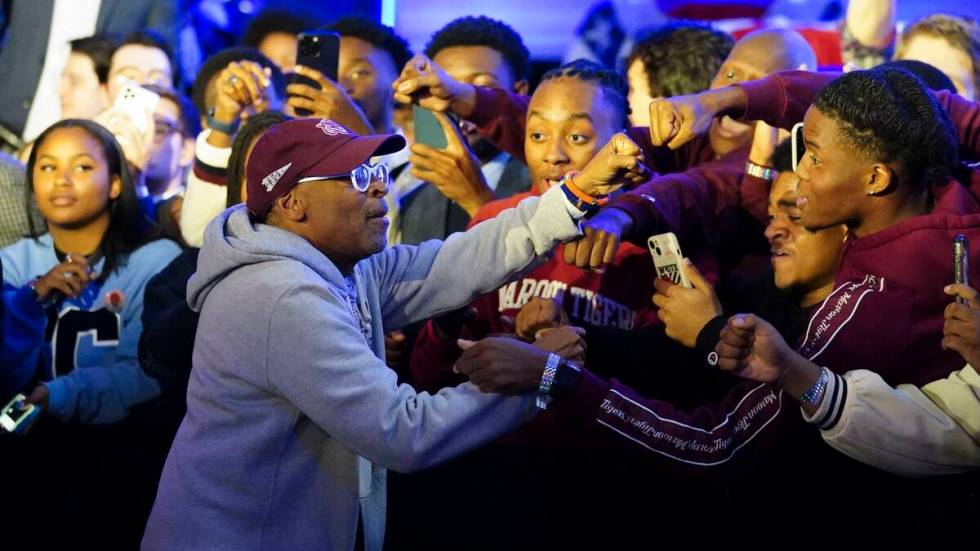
331	128
271	180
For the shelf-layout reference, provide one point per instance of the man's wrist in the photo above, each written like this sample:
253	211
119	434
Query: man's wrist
464	100
730	100
799	376
567	377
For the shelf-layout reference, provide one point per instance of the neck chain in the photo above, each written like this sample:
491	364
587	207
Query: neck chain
355	310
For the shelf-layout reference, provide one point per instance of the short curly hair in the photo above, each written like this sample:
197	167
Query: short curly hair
275	21
381	36
484	31
888	115
681	58
613	84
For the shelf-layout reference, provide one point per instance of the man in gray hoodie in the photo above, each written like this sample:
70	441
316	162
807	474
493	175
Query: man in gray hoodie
292	414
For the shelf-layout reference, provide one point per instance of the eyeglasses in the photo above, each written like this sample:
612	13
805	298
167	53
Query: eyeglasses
163	129
361	177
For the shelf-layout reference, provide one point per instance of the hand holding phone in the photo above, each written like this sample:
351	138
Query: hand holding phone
17	416
325	100
319	50
428	130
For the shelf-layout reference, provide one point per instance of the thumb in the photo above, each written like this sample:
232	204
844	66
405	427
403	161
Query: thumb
965	292
745	323
624	162
695	277
454	135
465	344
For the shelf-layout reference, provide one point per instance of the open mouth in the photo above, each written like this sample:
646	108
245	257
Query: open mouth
552	180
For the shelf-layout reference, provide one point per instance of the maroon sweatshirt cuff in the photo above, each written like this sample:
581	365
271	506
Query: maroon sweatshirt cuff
642	208
484	112
210	174
582	405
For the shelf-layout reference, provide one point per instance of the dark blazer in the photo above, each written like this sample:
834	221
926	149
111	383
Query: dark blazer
427	214
26	41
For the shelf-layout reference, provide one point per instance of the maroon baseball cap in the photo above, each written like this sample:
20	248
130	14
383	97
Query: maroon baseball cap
306	148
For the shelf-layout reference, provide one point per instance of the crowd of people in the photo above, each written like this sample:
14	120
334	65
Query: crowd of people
268	314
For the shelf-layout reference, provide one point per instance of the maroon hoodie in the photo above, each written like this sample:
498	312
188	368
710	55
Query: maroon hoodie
885	315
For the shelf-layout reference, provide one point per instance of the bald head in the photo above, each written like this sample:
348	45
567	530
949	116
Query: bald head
771	50
755	56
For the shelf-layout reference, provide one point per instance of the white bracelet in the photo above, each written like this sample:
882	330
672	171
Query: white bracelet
547	379
764	172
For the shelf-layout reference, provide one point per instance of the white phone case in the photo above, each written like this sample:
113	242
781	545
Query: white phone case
137	102
667	258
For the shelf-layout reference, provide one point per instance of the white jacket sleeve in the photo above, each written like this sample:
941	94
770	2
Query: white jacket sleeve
903	430
203	200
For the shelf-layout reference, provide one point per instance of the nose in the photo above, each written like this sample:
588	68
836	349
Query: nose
556	153
63	177
803	168
346	83
377	188
778	229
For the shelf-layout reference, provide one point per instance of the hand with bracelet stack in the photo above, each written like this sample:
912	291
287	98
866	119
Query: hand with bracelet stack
550	366
243	88
619	162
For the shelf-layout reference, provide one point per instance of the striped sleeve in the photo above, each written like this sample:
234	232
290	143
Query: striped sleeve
897	429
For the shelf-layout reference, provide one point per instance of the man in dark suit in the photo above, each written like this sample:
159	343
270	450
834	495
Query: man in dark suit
27	46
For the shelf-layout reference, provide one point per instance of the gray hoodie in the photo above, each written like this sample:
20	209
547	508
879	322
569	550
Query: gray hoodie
292	414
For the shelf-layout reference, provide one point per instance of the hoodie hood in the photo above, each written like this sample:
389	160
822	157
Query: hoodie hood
233	240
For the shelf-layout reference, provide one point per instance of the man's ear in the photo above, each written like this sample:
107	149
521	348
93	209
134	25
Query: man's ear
291	206
521	87
880	179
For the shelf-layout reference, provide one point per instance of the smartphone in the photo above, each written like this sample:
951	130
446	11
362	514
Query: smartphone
667	258
17	416
427	128
137	102
797	143
961	262
318	50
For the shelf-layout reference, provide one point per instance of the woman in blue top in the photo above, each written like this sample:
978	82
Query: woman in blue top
74	294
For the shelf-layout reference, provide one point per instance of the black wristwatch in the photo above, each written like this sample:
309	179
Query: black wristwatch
567	377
